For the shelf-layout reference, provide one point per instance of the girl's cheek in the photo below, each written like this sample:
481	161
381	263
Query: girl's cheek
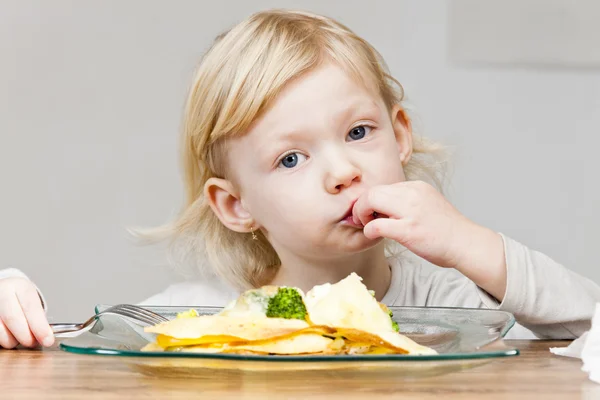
393	173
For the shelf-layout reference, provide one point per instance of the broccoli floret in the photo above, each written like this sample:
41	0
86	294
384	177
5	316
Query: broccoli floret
287	303
395	325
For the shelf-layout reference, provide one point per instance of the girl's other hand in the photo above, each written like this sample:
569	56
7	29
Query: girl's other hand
22	317
420	218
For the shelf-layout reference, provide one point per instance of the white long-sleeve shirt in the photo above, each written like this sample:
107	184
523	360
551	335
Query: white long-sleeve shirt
547	299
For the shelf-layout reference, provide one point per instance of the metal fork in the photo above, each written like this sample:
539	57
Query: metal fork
135	313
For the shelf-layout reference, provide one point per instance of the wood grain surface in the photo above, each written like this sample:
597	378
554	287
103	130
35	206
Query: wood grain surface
55	374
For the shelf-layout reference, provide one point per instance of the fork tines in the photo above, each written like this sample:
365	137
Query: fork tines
137	313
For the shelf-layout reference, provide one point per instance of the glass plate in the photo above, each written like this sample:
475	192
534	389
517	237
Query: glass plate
463	338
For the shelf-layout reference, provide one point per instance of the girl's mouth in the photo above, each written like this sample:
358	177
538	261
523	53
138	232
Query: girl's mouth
348	220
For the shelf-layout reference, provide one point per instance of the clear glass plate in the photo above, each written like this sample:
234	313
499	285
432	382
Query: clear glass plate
462	337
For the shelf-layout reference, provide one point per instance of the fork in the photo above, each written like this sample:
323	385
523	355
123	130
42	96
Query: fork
135	313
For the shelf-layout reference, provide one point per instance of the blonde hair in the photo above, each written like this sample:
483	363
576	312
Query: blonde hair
237	80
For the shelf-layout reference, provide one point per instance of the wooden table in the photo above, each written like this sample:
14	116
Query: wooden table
54	374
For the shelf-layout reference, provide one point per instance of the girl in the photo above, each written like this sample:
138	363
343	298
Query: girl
301	167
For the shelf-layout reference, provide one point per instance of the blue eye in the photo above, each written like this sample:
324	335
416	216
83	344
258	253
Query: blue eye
291	160
359	132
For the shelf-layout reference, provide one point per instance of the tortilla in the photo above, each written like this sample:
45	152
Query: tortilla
235	328
343	318
292	345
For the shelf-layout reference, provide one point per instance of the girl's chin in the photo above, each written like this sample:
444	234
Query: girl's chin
360	242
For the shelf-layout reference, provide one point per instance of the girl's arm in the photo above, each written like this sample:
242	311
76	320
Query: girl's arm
544	296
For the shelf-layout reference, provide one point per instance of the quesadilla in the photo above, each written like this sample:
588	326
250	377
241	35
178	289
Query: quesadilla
340	318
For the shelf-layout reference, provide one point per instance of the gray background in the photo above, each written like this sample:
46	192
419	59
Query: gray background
91	97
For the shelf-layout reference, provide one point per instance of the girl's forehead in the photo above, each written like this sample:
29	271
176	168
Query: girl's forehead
325	90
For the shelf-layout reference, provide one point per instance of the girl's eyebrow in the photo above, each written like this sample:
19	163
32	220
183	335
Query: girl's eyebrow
361	108
350	111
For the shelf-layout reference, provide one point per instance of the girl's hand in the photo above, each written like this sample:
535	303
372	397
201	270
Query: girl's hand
22	317
417	216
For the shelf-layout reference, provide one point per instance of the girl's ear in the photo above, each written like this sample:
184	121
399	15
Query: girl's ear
403	131
227	205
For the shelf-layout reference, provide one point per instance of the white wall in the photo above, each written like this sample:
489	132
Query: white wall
91	96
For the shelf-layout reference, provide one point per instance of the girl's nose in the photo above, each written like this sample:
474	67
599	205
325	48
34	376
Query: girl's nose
342	174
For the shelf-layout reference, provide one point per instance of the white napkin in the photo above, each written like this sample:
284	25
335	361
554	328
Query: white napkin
587	347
